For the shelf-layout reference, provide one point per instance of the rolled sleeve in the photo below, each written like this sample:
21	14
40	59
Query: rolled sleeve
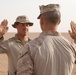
4	46
25	65
74	49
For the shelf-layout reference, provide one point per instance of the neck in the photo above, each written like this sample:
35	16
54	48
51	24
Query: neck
22	38
50	28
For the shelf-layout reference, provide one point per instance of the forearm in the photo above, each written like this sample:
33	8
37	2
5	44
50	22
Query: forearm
3	46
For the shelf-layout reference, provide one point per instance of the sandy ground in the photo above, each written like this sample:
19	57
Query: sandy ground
3	65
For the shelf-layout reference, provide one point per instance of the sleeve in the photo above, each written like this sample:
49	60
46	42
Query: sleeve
25	65
74	49
3	46
75	41
75	58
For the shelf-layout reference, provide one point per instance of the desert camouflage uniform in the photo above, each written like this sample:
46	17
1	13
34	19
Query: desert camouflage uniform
49	54
12	47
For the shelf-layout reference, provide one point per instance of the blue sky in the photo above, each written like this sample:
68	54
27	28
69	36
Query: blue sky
10	9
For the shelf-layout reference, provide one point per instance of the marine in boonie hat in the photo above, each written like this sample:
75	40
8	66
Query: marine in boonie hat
22	19
48	8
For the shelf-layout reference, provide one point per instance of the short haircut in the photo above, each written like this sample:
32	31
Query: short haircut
53	16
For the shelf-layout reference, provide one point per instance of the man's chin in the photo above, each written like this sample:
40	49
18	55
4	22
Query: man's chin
25	34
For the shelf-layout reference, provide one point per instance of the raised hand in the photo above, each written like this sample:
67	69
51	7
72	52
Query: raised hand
3	27
73	30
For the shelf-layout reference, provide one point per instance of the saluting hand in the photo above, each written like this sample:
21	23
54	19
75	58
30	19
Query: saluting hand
3	27
73	30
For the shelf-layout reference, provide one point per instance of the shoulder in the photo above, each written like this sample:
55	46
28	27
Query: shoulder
8	41
32	47
12	38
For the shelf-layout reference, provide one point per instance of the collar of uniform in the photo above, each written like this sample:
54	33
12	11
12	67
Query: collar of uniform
16	37
52	33
18	40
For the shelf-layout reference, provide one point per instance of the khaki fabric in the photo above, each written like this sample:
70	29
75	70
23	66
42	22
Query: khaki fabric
22	19
49	54
49	8
12	47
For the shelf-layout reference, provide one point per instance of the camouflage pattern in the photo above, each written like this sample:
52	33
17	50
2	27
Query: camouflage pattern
48	54
49	7
23	19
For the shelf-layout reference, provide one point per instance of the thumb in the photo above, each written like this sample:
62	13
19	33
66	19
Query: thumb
69	32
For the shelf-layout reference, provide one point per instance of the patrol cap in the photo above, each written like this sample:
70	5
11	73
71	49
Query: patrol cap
22	19
48	8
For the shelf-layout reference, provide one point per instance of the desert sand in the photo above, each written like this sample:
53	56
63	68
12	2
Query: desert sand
4	59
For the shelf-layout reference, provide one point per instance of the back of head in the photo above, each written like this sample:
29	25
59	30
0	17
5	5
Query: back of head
51	13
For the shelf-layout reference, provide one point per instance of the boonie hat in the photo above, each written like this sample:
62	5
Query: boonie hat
48	8
22	19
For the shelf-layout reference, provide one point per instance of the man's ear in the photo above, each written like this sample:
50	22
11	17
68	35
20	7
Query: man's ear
58	22
41	21
16	26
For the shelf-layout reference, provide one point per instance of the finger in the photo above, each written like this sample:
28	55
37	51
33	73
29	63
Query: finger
4	30
4	22
71	23
69	32
73	27
72	34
